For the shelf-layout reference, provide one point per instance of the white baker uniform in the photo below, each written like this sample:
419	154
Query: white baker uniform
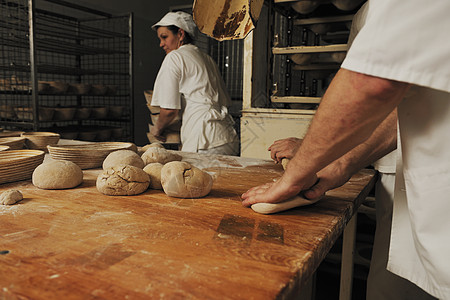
189	80
408	41
381	283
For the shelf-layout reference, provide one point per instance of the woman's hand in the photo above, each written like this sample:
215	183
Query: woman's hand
284	148
165	118
157	134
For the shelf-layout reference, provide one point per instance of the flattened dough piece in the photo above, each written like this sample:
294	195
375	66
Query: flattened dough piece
10	197
271	208
122	180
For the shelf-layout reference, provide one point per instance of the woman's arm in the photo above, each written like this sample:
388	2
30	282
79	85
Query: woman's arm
166	116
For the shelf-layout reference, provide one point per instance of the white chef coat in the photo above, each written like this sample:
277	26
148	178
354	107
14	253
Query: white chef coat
189	80
381	283
408	41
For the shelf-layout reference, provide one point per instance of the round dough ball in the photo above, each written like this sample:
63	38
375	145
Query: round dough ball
142	149
10	197
181	179
122	180
58	174
154	171
161	155
123	157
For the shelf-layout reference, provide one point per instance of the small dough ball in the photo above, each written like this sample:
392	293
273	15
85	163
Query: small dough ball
181	179
10	197
154	171
122	180
123	157
58	174
161	155
142	149
284	162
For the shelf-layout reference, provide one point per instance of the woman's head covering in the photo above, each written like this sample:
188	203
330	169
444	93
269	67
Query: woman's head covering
180	19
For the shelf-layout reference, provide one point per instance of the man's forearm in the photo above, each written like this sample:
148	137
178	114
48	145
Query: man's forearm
382	141
351	110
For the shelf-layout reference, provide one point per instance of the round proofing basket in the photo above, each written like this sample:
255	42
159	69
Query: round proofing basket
16	165
14	142
4	148
40	140
88	156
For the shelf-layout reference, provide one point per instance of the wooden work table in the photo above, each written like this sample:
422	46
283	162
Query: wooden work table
81	244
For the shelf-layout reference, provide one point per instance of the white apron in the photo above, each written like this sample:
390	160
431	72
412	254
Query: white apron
420	238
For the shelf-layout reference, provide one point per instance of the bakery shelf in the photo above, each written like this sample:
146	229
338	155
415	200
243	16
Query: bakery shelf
71	44
322	20
295	99
310	49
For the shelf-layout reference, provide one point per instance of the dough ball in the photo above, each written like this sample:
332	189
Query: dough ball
161	155
123	157
181	179
122	180
10	197
284	162
58	174
154	172
142	149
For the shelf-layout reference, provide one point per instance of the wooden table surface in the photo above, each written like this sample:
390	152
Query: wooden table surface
81	244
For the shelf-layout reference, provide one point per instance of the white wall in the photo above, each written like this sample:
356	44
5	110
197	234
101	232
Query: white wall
147	54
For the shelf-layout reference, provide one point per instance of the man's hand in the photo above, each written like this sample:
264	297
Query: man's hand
284	148
330	177
284	188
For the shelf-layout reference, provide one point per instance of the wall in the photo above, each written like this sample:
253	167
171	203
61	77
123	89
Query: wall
147	54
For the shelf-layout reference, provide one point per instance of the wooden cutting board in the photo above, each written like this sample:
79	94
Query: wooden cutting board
80	244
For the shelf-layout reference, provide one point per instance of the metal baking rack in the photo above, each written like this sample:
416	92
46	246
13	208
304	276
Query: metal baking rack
66	68
307	50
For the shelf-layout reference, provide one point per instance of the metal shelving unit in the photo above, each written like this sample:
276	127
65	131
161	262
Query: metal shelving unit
287	74
67	70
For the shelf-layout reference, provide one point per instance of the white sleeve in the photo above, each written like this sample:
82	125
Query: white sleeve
166	91
404	41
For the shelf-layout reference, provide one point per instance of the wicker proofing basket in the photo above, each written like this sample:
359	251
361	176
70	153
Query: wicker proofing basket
90	155
40	140
14	142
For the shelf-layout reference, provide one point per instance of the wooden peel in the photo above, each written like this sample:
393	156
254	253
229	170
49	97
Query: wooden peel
226	19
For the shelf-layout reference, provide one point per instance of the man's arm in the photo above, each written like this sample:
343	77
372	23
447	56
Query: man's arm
350	111
380	143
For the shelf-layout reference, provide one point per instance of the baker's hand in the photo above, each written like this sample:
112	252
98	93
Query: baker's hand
284	148
157	134
282	189
330	177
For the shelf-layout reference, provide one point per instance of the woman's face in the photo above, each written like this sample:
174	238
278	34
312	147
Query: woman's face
168	40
